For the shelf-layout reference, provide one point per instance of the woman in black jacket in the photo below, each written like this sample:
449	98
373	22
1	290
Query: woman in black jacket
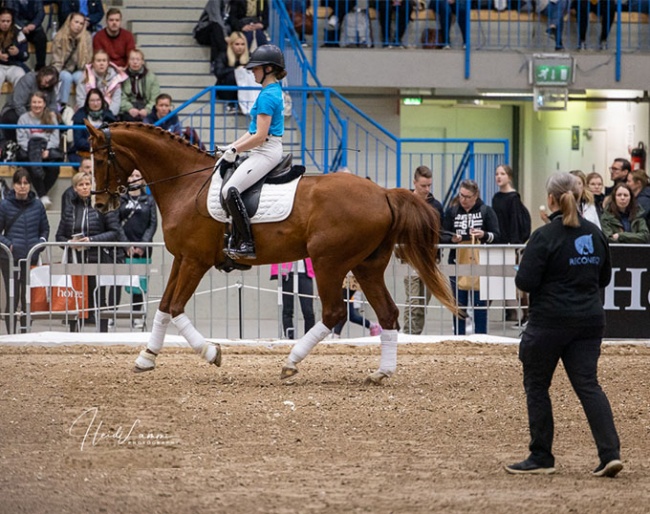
23	224
469	219
82	223
565	265
139	221
97	112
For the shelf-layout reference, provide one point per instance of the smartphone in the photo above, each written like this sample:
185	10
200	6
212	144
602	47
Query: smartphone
78	236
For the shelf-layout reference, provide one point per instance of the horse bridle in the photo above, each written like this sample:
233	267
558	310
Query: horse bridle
112	162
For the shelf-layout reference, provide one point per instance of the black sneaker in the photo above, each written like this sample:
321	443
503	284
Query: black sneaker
610	469
529	467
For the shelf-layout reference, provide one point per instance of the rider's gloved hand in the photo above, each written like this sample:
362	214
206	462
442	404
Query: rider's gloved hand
230	154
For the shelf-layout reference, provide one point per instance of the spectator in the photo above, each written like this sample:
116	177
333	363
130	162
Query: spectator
333	28
38	145
43	80
623	220
417	295
80	217
352	289
71	52
13	49
444	10
565	265
23	224
214	25
285	272
513	216
86	167
469	218
93	10
252	23
114	40
106	77
514	225
140	90
161	109
586	205
97	112
637	181
618	172
236	55
29	16
139	221
607	11
595	185
554	12
399	10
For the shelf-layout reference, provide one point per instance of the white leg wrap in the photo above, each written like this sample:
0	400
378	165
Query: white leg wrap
307	342
158	331
194	338
146	361
388	361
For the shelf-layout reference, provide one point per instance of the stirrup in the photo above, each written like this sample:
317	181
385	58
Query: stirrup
245	250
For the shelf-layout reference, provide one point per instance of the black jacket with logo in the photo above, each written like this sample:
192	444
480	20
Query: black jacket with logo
563	269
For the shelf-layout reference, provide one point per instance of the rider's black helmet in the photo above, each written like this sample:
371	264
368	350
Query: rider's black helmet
266	54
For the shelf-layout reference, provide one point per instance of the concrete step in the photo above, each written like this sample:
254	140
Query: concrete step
194	81
200	67
163	39
164	13
179	54
167	27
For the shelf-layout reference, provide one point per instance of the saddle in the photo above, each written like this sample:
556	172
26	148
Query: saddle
284	172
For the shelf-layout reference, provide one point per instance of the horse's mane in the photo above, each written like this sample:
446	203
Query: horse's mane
160	131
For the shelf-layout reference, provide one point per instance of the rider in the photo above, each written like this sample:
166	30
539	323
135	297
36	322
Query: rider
263	139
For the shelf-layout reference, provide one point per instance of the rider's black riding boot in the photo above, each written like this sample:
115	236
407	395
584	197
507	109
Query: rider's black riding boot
245	249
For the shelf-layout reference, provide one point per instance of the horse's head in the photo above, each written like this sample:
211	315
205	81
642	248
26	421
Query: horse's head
110	177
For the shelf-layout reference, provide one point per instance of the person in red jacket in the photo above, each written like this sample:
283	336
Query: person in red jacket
114	40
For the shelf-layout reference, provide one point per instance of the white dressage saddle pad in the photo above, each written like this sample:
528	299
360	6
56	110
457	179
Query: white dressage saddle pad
276	201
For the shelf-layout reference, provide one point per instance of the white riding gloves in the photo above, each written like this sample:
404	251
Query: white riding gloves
230	154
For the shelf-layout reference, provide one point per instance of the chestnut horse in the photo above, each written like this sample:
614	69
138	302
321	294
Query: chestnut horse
343	222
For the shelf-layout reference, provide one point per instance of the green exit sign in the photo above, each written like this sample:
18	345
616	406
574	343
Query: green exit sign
554	70
559	75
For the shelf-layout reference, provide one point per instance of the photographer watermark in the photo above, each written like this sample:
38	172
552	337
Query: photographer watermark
90	428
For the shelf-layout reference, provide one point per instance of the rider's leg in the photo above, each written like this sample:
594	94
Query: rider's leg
262	160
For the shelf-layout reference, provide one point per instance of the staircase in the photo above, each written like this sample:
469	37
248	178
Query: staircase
163	30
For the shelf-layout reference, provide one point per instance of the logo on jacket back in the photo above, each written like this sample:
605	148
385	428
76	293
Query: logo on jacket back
584	245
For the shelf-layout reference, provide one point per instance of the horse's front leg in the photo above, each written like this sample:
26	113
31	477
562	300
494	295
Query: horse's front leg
146	360
184	280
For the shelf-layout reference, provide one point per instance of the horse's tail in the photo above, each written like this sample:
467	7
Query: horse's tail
416	229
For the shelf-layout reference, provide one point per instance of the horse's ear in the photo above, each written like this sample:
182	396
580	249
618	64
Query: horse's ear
93	131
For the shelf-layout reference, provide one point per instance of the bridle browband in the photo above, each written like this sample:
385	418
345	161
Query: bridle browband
112	163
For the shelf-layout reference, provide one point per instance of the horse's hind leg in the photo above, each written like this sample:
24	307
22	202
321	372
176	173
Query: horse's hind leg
370	276
329	290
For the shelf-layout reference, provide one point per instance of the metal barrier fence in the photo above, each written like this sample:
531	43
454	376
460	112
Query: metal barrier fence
236	305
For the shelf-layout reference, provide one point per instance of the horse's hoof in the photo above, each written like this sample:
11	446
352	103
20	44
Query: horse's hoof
216	360
146	361
136	369
375	378
288	371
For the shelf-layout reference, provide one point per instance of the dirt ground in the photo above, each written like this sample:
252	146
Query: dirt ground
79	432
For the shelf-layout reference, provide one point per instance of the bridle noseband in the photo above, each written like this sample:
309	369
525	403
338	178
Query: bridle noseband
110	163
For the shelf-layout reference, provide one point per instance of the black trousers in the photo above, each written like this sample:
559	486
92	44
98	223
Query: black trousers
540	351
305	287
607	11
20	294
